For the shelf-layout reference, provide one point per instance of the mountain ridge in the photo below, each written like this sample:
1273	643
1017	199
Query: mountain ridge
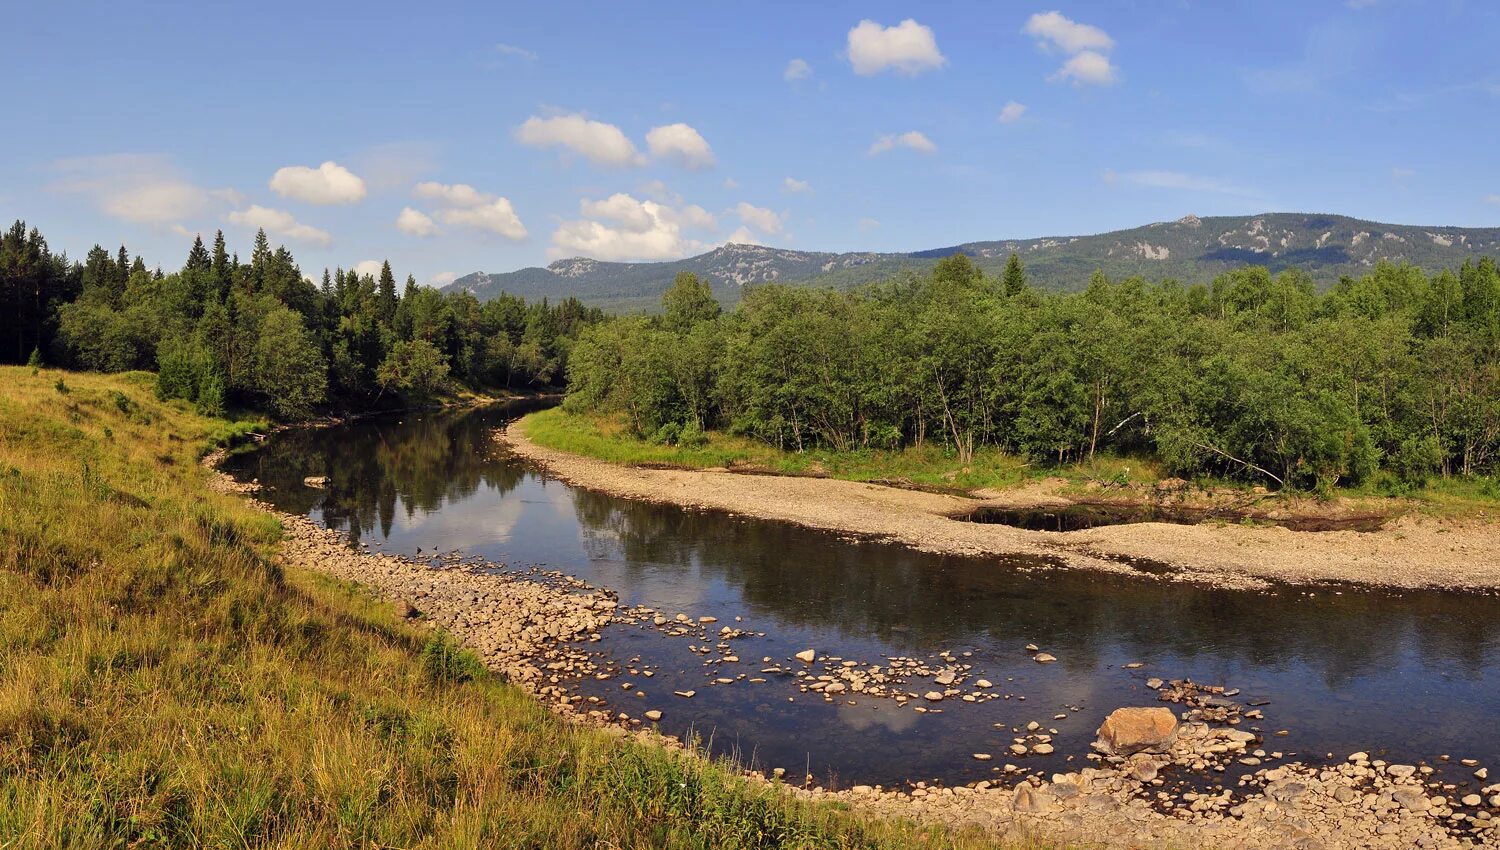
1190	249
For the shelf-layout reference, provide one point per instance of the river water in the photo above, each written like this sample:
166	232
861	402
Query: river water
1408	677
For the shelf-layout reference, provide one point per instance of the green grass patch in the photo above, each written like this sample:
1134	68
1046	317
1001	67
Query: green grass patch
166	683
932	465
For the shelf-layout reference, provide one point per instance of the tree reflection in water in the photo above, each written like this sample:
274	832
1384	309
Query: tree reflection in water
1344	670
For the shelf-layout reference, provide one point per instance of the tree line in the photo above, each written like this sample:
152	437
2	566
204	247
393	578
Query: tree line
1393	376
220	332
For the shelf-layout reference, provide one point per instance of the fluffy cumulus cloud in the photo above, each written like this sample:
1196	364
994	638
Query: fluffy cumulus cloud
1087	68
911	140
1086	46
416	222
595	141
681	144
760	219
797	69
907	48
1012	112
442	279
452	194
467	207
1053	29
622	227
279	223
139	188
794	186
329	183
497	217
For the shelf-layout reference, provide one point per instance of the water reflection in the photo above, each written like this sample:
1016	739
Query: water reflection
1344	671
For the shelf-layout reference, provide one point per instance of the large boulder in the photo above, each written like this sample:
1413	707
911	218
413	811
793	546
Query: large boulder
1127	731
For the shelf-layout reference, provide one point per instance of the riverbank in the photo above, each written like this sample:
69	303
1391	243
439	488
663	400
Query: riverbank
1214	778
178	672
1411	550
534	627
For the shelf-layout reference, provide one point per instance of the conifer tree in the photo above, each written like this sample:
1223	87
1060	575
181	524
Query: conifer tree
1013	282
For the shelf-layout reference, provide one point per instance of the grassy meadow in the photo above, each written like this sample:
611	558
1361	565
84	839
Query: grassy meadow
165	683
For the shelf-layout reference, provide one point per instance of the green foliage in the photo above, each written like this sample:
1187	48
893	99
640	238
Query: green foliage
290	369
444	661
416	370
204	328
688	302
176	372
1253	376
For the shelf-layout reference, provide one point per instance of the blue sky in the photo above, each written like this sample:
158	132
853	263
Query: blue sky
498	135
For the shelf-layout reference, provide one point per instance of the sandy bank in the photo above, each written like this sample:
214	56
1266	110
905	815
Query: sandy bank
1410	552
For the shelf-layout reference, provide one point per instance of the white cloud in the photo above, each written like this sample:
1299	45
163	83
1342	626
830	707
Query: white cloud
1492	199
794	186
497	217
622	227
868	223
911	139
908	48
1085	43
743	236
761	219
139	188
453	194
1178	181
1054	30
517	52
596	141
466	206
1012	112
1085	68
416	222
681	144
329	183
1398	173
442	279
367	267
279	223
731	183
697	217
797	69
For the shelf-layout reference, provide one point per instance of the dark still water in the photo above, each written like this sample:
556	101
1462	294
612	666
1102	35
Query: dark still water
1408	677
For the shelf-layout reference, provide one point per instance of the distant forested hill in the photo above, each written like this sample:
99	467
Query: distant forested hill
1190	249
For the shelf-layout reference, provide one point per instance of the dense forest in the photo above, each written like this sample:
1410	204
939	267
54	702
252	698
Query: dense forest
1390	378
220	332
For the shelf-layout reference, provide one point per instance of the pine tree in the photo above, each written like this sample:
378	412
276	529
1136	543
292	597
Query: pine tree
385	302
1013	282
122	267
198	259
223	272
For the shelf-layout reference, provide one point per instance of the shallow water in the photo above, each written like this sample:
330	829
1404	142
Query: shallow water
1406	676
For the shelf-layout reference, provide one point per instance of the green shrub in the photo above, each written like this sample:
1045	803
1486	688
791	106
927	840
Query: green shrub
445	661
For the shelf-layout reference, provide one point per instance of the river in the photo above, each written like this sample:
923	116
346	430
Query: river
1408	677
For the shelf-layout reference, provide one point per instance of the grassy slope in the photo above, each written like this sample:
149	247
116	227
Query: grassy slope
164	683
607	438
